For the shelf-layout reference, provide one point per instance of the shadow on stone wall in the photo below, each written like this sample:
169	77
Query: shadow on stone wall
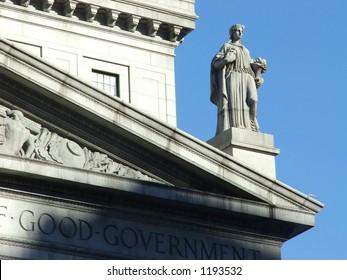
56	221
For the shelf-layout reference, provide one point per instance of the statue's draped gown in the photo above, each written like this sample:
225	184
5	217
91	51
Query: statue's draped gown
232	87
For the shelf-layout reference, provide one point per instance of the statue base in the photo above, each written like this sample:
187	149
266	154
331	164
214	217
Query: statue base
255	149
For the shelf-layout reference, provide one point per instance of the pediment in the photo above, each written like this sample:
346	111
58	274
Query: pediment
67	123
22	137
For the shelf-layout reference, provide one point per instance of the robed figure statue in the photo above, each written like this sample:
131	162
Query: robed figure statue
235	78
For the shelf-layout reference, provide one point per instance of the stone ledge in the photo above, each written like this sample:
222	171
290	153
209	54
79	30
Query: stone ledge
66	175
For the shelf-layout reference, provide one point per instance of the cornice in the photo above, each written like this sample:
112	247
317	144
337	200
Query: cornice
150	21
195	208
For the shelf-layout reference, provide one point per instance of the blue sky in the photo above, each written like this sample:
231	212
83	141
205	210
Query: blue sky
302	101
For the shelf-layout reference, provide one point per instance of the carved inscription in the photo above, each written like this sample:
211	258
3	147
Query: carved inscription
110	235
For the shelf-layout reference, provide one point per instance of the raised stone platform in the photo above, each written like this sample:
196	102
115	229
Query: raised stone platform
253	148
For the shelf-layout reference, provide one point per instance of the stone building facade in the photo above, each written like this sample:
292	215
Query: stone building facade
128	45
91	163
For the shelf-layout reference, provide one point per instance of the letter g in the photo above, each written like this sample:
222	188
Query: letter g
27	226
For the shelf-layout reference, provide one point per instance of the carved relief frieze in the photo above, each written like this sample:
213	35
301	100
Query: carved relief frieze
22	137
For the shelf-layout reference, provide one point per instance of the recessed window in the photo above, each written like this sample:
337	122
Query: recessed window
106	82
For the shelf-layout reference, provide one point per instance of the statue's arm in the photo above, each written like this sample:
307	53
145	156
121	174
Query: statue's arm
224	57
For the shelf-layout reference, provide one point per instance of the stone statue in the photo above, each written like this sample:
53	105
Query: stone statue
18	140
235	78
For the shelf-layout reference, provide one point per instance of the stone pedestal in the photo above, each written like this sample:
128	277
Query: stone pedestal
255	149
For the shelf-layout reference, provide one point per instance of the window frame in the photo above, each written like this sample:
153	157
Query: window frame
104	85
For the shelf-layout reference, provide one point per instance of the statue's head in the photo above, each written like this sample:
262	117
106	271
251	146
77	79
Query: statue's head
15	114
234	28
